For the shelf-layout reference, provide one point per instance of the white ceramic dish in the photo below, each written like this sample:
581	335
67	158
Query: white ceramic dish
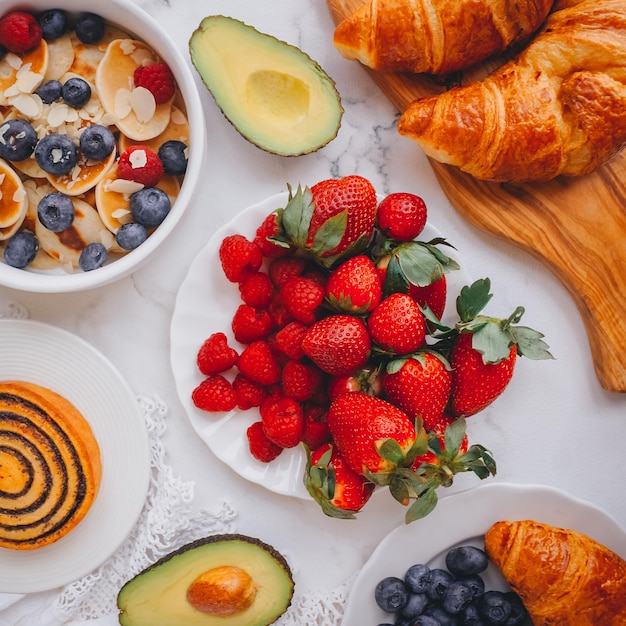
65	363
463	519
135	21
205	304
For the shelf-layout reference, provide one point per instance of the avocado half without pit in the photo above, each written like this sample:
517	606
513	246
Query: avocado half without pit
273	93
227	580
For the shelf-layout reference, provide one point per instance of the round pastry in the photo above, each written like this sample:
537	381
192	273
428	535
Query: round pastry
50	466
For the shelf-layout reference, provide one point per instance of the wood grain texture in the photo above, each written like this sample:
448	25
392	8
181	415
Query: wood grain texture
575	226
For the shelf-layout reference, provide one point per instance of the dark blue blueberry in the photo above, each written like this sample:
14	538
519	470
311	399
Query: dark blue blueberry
130	236
49	91
89	28
494	607
53	23
97	142
150	206
417	578
440	580
456	597
426	620
56	154
415	605
391	594
443	618
92	257
76	92
518	611
475	582
471	617
17	140
56	211
466	560
173	155
21	249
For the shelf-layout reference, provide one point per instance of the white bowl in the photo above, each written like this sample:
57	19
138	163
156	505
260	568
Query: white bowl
140	25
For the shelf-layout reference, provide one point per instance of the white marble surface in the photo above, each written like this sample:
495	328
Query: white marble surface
554	425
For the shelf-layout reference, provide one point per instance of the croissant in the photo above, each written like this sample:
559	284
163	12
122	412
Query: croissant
435	37
559	108
563	577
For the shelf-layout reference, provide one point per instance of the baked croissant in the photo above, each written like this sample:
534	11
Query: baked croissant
558	108
435	37
563	577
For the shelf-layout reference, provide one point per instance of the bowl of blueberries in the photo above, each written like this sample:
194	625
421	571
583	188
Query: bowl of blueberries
96	164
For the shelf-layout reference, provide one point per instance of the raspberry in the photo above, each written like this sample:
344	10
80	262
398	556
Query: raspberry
316	431
141	165
283	420
257	290
239	257
19	32
158	80
300	380
250	324
260	446
215	355
248	393
283	267
214	394
303	298
289	339
259	364
279	312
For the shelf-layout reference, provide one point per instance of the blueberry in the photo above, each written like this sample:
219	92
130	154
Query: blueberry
130	236
475	582
17	140
443	618
417	578
97	142
56	154
21	249
391	594
518	611
92	257
471	617
440	580
426	620
49	91
150	206
465	560
494	607
56	211
456	597
76	92
53	24
415	605
89	28
173	155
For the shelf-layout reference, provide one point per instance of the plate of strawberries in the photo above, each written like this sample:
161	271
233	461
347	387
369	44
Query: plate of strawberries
325	342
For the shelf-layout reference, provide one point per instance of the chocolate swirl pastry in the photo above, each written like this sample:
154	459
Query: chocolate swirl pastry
50	466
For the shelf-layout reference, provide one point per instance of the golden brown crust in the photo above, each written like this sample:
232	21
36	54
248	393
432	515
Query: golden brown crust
435	36
564	578
51	466
559	108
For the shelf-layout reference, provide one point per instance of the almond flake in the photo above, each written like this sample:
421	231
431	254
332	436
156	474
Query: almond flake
122	105
28	105
12	91
143	104
57	114
13	60
142	56
177	117
127	46
2	177
138	158
19	195
28	82
119	213
0	194
121	185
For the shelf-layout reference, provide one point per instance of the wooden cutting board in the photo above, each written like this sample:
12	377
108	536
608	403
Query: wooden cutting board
577	227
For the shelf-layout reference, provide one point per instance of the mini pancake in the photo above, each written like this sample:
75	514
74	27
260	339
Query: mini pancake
137	115
60	57
13	198
22	74
177	130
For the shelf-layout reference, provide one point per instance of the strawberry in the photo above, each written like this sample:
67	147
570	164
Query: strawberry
214	394
283	420
337	344
432	296
259	445
354	286
419	385
316	431
141	165
158	79
247	392
19	32
289	339
270	238
332	220
251	324
339	490
257	290
402	216
239	257
302	298
366	379
258	363
215	355
397	325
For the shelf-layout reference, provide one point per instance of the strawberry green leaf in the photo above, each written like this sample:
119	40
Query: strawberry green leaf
420	266
399	489
453	436
330	233
422	506
296	216
472	299
395	279
391	451
493	342
530	343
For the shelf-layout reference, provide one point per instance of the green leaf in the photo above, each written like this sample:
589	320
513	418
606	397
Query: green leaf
453	436
493	342
395	280
472	299
390	450
399	490
422	506
530	343
330	233
420	266
296	216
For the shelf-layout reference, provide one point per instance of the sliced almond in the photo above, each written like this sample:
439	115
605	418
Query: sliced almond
14	201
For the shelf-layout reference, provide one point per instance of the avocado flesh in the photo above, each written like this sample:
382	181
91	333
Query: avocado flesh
158	595
274	94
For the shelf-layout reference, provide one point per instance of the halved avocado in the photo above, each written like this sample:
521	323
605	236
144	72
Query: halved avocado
235	580
273	93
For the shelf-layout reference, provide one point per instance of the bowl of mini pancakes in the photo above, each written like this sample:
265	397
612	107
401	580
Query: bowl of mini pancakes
102	141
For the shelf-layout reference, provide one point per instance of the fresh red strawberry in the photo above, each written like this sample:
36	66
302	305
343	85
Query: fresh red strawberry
251	324
19	32
270	238
141	165
397	324
239	257
354	286
316	431
402	216
259	364
360	424
214	394
215	355
420	385
282	268
432	296
247	392
337	344
366	379
339	490
302	298
259	445
257	290
158	79
283	420
289	339
300	381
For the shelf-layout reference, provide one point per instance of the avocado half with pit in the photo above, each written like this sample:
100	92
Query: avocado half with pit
225	580
273	93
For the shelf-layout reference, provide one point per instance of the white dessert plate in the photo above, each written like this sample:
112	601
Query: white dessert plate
205	304
462	519
65	363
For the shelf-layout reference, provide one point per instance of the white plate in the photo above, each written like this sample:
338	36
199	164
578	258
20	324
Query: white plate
54	358
463	519
205	304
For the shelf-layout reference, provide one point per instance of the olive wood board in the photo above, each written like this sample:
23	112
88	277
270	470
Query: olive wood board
575	226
